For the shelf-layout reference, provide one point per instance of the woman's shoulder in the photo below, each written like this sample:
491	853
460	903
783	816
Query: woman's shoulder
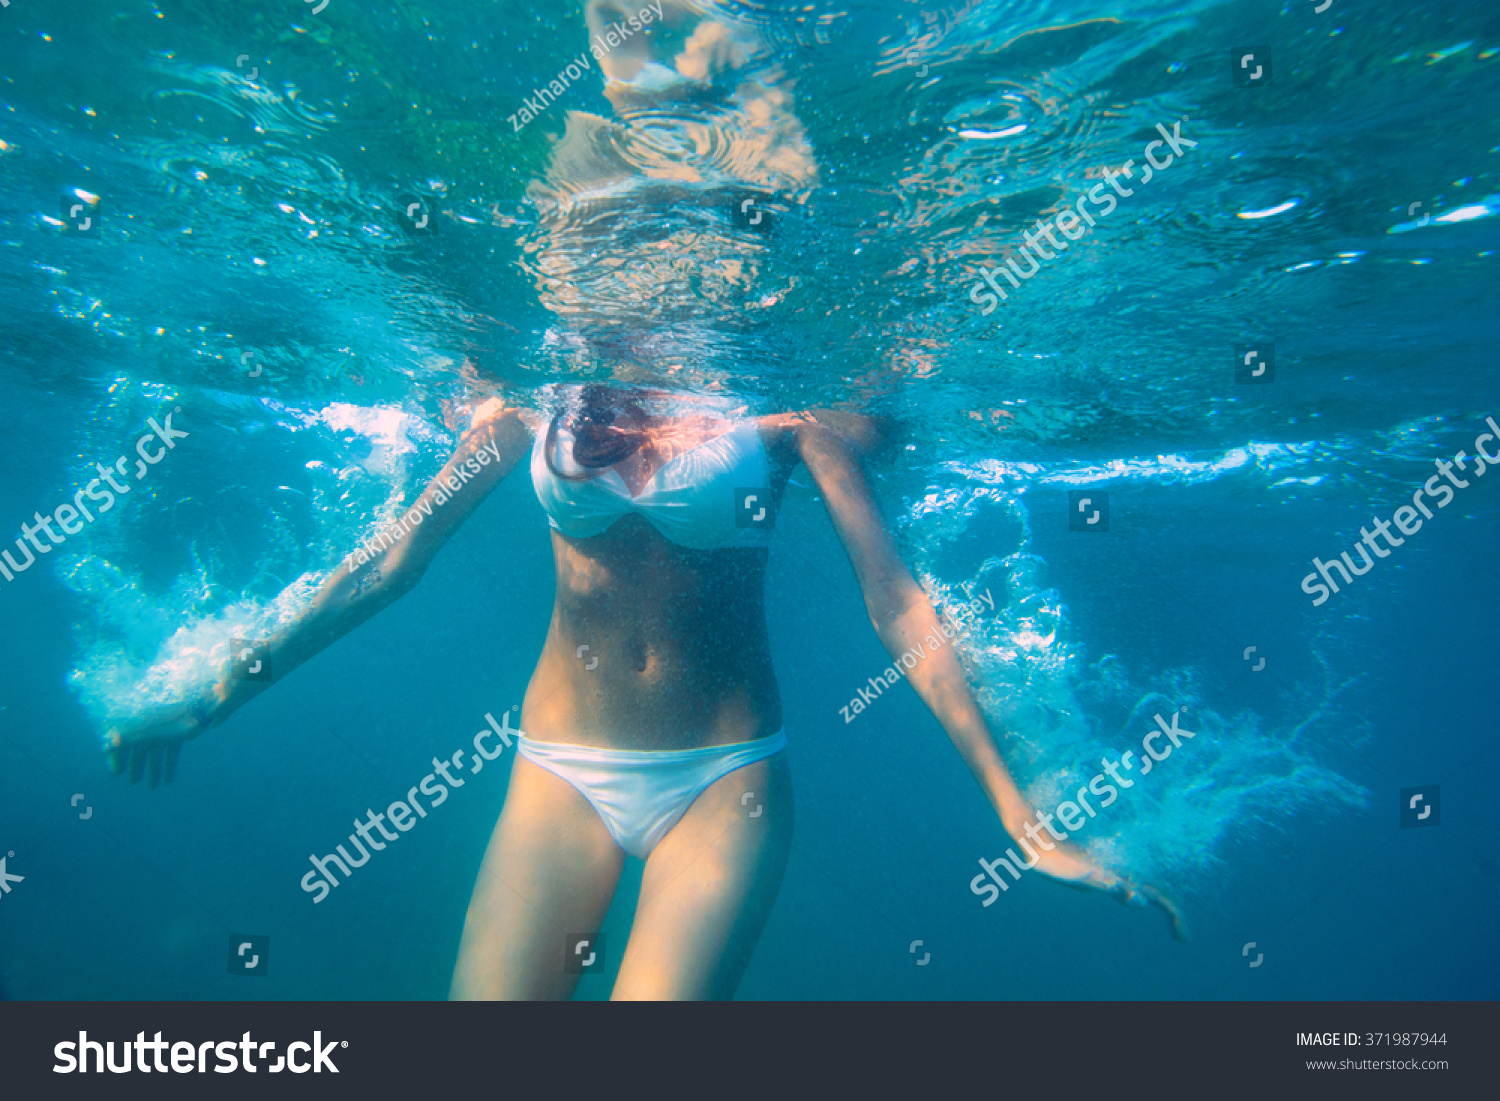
865	434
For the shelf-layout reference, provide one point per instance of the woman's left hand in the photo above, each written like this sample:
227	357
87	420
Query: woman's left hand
1071	865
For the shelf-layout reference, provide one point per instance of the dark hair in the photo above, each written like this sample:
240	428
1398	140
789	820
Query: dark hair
600	440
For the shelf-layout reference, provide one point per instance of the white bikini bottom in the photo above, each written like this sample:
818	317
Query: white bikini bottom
641	794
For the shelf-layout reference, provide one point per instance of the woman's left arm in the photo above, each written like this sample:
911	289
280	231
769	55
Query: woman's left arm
904	618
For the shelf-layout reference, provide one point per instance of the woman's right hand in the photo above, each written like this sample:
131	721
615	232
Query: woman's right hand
147	744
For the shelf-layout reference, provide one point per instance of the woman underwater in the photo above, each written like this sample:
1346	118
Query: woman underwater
653	709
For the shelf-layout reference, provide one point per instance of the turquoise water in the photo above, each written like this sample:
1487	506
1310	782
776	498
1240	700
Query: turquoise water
253	271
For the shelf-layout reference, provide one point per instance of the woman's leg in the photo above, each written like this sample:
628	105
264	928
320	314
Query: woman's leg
709	887
549	872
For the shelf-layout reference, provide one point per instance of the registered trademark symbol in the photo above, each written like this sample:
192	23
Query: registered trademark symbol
344	1043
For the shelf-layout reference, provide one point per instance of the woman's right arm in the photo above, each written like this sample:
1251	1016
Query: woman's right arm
496	441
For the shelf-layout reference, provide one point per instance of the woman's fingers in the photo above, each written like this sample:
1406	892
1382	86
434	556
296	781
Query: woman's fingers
155	761
1073	867
153	766
1132	894
137	763
149	749
1146	895
1165	904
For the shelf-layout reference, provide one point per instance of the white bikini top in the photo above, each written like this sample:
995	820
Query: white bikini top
695	499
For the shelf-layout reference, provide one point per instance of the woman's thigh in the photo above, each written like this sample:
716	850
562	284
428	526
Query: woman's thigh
709	887
549	872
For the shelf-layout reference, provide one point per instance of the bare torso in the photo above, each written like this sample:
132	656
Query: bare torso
677	653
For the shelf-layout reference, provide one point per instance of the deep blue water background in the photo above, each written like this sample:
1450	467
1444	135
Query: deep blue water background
139	900
1384	369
